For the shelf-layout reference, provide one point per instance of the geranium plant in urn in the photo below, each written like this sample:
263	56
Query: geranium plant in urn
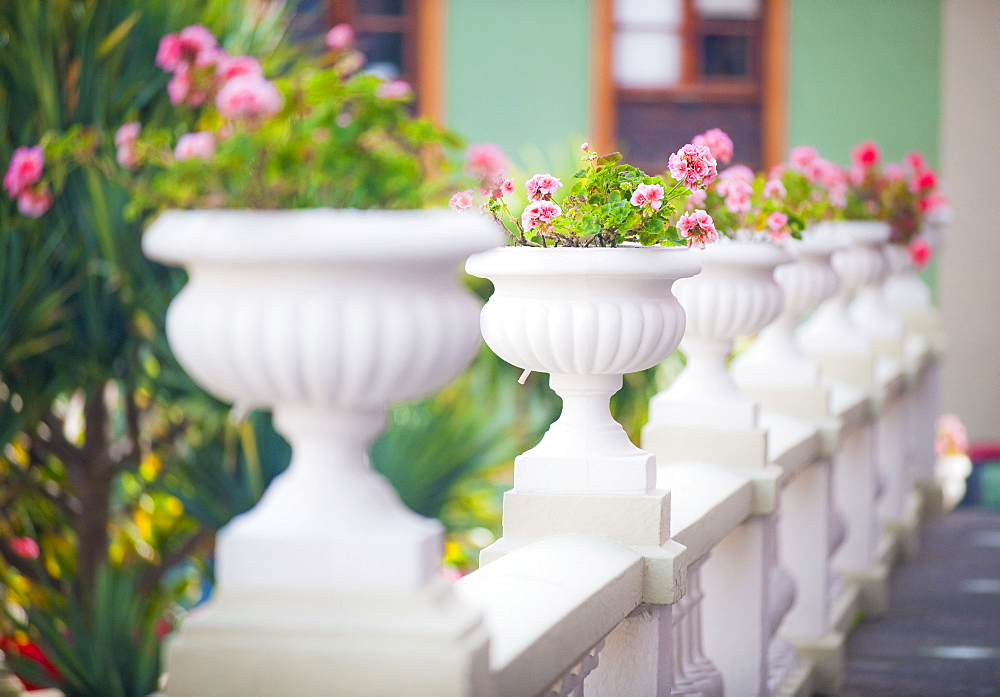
735	295
584	293
301	301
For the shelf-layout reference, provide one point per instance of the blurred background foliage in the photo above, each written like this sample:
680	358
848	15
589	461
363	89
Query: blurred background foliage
113	464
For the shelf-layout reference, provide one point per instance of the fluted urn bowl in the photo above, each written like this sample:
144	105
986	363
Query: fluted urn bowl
326	317
837	327
735	295
775	358
585	316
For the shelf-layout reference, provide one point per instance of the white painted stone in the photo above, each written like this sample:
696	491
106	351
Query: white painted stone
774	359
546	604
586	316
735	294
326	316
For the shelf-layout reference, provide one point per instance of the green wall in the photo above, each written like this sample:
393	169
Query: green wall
518	73
861	69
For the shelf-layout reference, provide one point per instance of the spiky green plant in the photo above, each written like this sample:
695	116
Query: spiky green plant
96	418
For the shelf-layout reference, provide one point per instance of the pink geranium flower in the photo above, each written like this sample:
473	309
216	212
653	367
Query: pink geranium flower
486	162
25	547
195	145
25	169
127	133
542	185
866	154
920	252
461	200
34	202
774	189
648	195
915	161
736	172
179	85
340	37
199	44
923	180
170	53
718	143
697	228
248	95
193	44
229	67
932	202
693	165
394	89
952	438
777	225
801	155
539	214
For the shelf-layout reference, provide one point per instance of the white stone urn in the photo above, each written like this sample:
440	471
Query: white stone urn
870	311
775	359
326	317
585	316
906	294
735	295
834	328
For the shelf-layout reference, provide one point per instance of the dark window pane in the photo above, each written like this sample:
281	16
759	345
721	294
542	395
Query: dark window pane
725	56
384	53
379	7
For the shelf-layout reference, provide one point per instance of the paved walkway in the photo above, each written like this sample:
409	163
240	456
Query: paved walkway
941	635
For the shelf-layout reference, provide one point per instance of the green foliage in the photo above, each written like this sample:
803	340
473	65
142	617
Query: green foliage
478	423
753	221
105	645
98	423
598	210
340	139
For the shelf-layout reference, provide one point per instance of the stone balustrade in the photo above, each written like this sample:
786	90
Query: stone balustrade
741	569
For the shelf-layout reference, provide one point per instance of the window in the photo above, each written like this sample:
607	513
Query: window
401	39
683	66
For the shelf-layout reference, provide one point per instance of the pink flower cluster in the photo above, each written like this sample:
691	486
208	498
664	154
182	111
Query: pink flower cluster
248	95
718	143
125	139
736	185
820	172
488	164
542	186
201	69
25	547
649	195
920	252
697	228
394	89
693	165
952	438
23	181
924	183
461	200
340	38
539	214
777	225
199	145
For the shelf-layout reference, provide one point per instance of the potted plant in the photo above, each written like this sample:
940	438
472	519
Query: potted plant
584	293
318	290
736	294
917	210
812	190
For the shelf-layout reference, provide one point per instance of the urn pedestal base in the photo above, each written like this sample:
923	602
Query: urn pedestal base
742	449
248	644
640	521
